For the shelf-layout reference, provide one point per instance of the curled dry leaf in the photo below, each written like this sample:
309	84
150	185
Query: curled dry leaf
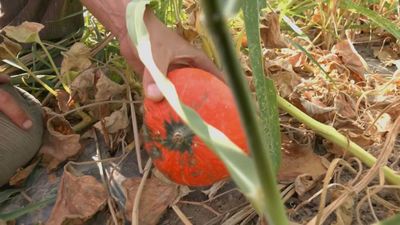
76	58
345	106
78	199
271	32
297	160
117	121
59	142
83	86
304	182
9	46
62	100
27	32
283	75
155	199
315	107
21	175
351	58
106	88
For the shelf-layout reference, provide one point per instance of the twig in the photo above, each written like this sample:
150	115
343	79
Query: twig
135	208
181	215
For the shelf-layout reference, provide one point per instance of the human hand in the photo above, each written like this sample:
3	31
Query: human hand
169	50
11	109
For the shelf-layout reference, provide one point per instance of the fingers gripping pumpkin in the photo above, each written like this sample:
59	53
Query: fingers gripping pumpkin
176	151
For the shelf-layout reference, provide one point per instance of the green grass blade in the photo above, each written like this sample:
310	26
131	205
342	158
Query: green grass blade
373	16
25	210
6	194
265	89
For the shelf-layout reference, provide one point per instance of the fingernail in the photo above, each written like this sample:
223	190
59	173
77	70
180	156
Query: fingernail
153	92
27	124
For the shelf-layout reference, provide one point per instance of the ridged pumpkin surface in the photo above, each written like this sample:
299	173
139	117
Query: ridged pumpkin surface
176	151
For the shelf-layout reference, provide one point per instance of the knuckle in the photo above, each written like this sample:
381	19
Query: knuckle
5	98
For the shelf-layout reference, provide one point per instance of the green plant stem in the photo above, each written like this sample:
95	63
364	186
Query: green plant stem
272	206
337	138
265	89
66	88
47	87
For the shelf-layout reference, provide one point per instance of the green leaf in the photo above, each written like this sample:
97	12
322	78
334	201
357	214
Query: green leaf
373	16
6	194
239	165
26	209
265	89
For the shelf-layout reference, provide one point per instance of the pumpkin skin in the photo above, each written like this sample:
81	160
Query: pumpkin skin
175	150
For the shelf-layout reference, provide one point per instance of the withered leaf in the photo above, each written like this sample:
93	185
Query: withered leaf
62	100
271	32
83	86
27	32
155	199
303	183
78	199
106	88
345	106
118	120
297	160
59	143
350	57
22	174
75	60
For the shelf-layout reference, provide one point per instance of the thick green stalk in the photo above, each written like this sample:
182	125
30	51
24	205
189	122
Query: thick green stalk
265	89
337	138
273	207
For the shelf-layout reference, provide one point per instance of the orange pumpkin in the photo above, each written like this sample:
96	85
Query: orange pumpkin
176	151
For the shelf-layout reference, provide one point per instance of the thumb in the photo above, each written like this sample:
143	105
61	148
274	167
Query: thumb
151	90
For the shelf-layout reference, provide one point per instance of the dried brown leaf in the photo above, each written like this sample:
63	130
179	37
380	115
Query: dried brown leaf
75	59
21	175
351	58
117	121
78	199
155	199
59	143
297	160
345	106
271	32
83	86
315	107
106	88
27	32
62	100
304	183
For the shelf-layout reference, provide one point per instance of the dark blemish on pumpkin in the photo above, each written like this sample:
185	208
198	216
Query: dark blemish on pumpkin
179	136
155	153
